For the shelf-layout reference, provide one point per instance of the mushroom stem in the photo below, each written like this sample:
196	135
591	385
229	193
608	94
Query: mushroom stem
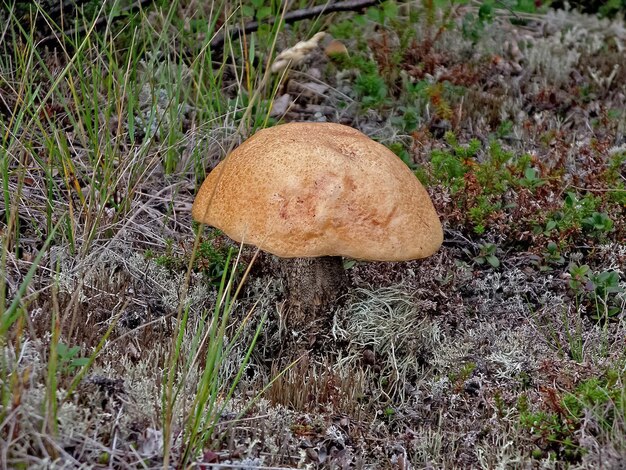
313	286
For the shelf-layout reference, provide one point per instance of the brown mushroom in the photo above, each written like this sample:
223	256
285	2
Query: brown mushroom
336	48
319	191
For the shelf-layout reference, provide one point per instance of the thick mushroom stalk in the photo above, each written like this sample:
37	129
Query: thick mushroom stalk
319	190
313	286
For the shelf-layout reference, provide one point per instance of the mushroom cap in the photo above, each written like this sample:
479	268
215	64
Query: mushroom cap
319	189
336	48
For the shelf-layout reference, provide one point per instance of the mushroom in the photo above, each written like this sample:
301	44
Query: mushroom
336	48
314	193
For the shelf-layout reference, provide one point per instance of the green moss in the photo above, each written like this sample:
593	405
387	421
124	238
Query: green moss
614	179
479	214
602	399
210	258
371	89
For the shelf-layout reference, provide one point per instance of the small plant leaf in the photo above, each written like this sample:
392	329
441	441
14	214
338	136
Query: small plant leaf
493	261
247	10
263	12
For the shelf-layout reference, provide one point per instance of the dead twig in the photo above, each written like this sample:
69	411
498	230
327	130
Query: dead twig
239	31
293	16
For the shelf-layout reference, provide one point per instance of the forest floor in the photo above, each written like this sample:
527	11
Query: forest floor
505	349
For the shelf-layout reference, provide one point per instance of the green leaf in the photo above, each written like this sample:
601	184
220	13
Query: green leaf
79	362
493	261
479	229
247	10
263	12
530	174
485	12
390	9
579	271
62	350
360	20
374	14
571	200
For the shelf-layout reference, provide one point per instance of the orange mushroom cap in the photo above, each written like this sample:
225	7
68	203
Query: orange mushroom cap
320	189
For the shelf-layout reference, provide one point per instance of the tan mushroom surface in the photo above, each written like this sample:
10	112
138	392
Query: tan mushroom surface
319	189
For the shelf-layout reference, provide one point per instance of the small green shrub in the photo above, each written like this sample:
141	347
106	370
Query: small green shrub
598	223
551	257
479	214
400	150
69	359
487	254
371	89
614	179
460	376
600	291
474	23
210	258
554	433
603	399
531	179
384	12
407	118
448	169
572	213
256	9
